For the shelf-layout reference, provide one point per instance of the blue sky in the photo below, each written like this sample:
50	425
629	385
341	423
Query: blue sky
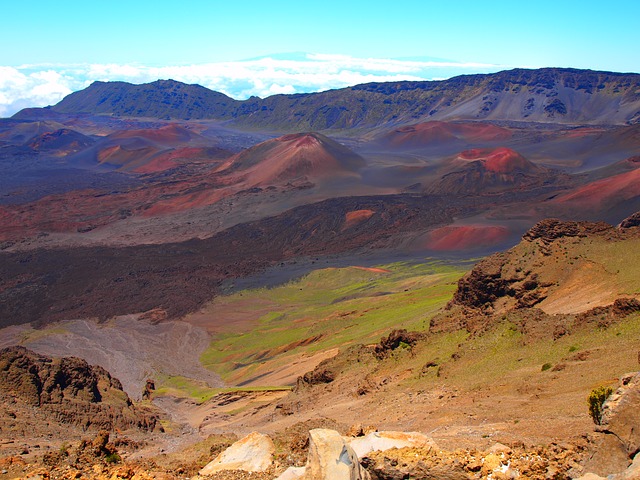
244	47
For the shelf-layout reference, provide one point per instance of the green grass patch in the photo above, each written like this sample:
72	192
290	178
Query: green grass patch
183	387
328	308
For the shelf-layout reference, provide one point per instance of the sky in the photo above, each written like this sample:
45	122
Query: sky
245	48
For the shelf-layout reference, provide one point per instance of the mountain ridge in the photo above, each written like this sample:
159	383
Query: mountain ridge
547	95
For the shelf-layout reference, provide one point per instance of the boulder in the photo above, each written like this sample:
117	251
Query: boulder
331	458
381	441
253	453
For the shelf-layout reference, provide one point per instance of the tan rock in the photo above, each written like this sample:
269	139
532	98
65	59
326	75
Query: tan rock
381	441
331	458
292	473
631	473
499	448
253	453
620	412
491	463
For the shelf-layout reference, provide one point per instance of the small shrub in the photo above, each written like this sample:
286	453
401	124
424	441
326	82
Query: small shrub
546	366
112	457
596	400
572	348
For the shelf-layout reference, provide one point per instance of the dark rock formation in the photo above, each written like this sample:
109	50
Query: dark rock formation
149	388
394	340
55	284
494	278
551	229
70	391
631	221
484	284
319	375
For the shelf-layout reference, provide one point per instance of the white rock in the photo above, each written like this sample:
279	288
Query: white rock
381	441
331	458
254	453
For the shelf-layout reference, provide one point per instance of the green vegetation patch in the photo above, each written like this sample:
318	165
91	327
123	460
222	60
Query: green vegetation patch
183	387
327	308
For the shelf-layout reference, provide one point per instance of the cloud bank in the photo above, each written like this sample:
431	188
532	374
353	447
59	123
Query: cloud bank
40	85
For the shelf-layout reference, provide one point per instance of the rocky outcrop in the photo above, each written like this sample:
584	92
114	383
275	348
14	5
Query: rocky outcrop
631	221
618	435
69	391
551	229
520	277
253	453
608	314
484	284
317	376
395	339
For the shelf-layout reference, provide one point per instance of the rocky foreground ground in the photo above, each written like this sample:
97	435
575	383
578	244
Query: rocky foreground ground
62	418
320	449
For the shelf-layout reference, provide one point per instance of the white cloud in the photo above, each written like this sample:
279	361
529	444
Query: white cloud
24	88
41	85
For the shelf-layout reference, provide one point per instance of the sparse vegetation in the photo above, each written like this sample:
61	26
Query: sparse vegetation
596	400
112	457
546	367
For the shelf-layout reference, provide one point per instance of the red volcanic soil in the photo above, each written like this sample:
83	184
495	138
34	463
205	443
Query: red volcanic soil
438	132
166	135
466	237
304	156
583	132
498	160
186	200
23	132
126	158
356	216
173	158
80	210
282	160
60	142
158	164
619	188
483	171
291	157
